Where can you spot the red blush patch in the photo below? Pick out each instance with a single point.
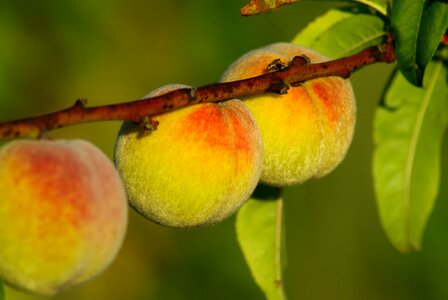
(327, 94)
(206, 125)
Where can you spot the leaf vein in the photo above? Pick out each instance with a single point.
(412, 149)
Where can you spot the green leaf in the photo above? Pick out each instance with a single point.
(378, 5)
(2, 291)
(259, 231)
(434, 24)
(342, 32)
(419, 26)
(408, 134)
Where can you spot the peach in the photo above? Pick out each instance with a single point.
(198, 167)
(63, 214)
(306, 133)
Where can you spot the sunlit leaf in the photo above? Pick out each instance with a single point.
(341, 32)
(419, 26)
(378, 5)
(259, 231)
(406, 164)
(261, 6)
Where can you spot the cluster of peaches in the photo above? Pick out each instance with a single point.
(63, 204)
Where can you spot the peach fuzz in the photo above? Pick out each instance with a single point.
(307, 132)
(63, 214)
(198, 167)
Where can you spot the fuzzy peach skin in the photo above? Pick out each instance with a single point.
(198, 167)
(63, 214)
(307, 132)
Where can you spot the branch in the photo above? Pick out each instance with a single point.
(257, 7)
(141, 111)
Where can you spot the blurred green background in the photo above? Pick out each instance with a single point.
(53, 52)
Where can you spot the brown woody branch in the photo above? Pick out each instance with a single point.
(261, 6)
(141, 111)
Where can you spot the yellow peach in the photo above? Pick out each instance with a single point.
(307, 132)
(63, 214)
(198, 167)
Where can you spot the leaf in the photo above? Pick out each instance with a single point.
(341, 32)
(434, 24)
(2, 291)
(259, 231)
(408, 134)
(261, 6)
(378, 5)
(419, 26)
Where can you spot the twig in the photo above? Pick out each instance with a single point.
(141, 111)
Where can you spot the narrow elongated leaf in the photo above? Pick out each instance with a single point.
(434, 23)
(341, 32)
(419, 25)
(408, 135)
(259, 231)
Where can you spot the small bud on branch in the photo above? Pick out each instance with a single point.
(140, 111)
